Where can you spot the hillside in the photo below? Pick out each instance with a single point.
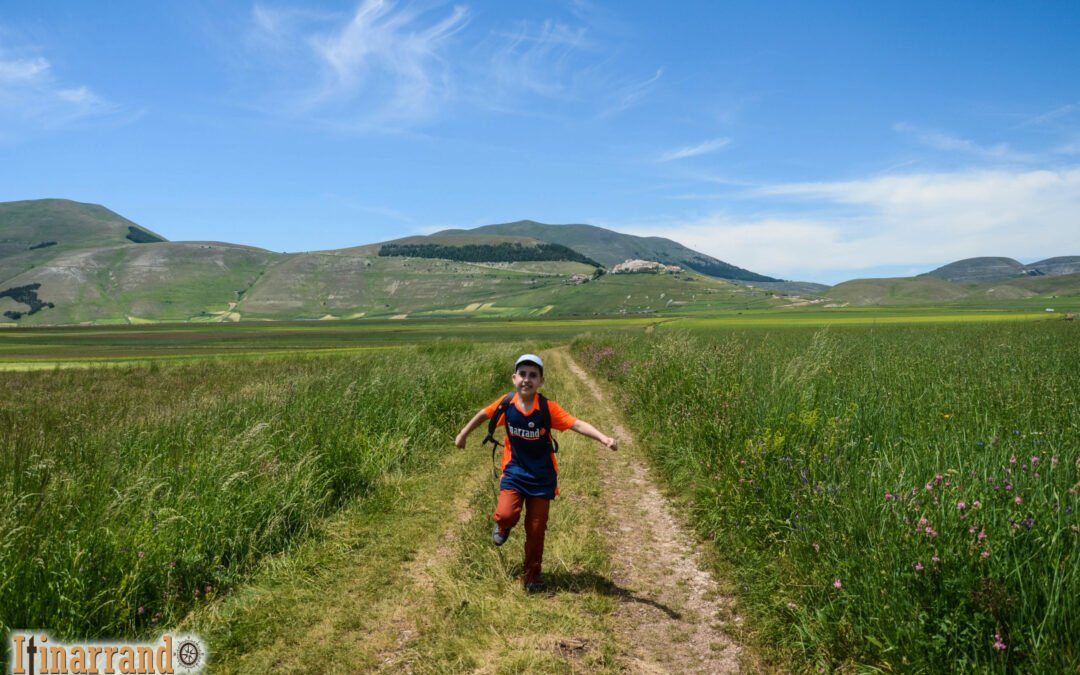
(64, 262)
(987, 269)
(610, 248)
(36, 231)
(925, 289)
(1068, 264)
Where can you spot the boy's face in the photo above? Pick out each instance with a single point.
(527, 379)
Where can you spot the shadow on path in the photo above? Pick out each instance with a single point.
(578, 582)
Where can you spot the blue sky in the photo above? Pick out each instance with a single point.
(811, 141)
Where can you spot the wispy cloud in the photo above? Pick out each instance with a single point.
(1052, 115)
(695, 150)
(571, 62)
(940, 140)
(379, 66)
(33, 97)
(389, 67)
(914, 219)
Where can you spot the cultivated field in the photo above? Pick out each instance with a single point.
(894, 497)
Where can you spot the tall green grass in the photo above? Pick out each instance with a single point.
(130, 496)
(898, 498)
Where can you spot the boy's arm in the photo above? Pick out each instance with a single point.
(586, 429)
(476, 421)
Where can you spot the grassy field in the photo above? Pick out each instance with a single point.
(227, 477)
(891, 497)
(130, 496)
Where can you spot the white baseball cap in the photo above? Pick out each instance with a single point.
(530, 358)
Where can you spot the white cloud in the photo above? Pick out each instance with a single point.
(558, 62)
(378, 66)
(695, 150)
(939, 140)
(23, 70)
(32, 98)
(915, 220)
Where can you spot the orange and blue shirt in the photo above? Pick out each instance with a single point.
(528, 464)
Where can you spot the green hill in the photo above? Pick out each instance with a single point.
(1001, 269)
(67, 263)
(926, 290)
(36, 231)
(611, 248)
(1067, 264)
(980, 269)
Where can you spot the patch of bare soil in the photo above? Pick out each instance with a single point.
(672, 616)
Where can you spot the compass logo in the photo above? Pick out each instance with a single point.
(34, 651)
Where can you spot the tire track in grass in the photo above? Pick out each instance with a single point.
(342, 600)
(673, 617)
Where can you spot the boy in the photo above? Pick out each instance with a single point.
(528, 464)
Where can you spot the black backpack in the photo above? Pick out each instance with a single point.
(545, 423)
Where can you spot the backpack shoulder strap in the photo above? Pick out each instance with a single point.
(493, 423)
(545, 421)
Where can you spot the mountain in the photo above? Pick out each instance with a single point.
(63, 262)
(1000, 269)
(611, 248)
(925, 289)
(1067, 264)
(34, 231)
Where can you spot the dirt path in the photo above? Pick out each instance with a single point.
(408, 580)
(672, 615)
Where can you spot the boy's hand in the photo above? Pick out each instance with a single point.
(611, 443)
(459, 442)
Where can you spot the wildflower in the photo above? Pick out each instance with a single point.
(938, 478)
(971, 530)
(1036, 474)
(998, 644)
(1019, 500)
(1034, 460)
(791, 605)
(141, 610)
(1012, 460)
(208, 589)
(817, 547)
(982, 534)
(923, 521)
(836, 583)
(196, 592)
(141, 554)
(961, 505)
(1053, 460)
(929, 486)
(888, 496)
(986, 554)
(976, 504)
(918, 567)
(172, 563)
(936, 559)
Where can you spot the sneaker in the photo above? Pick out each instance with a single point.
(498, 536)
(534, 584)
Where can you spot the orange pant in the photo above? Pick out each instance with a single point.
(536, 516)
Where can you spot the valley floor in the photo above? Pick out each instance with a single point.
(410, 581)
